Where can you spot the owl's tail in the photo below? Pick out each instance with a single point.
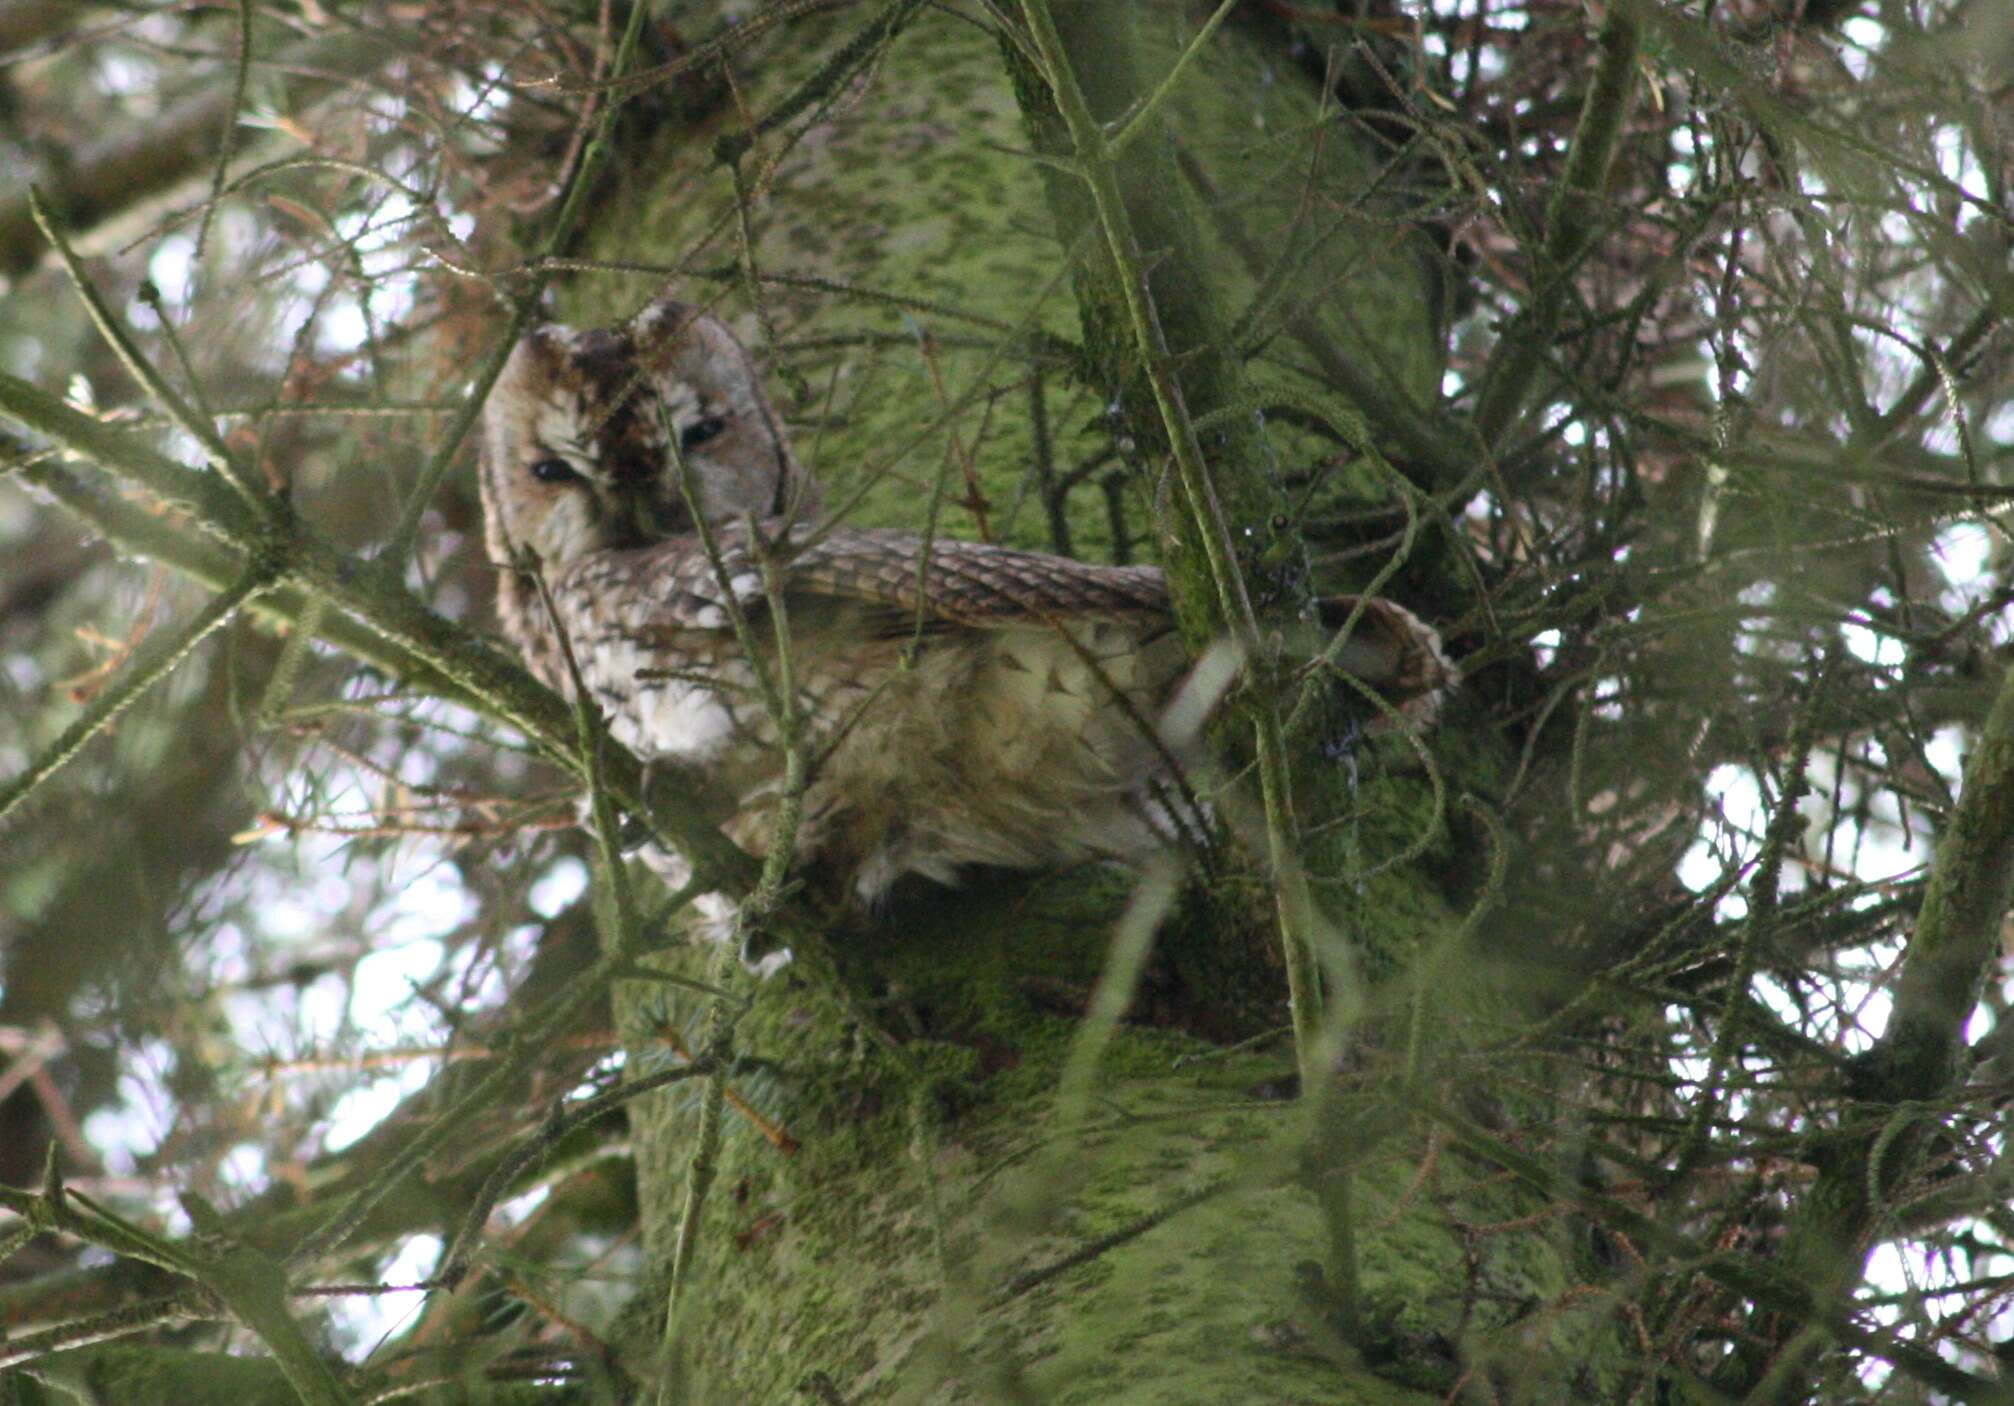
(1390, 649)
(1378, 644)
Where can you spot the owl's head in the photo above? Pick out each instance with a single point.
(578, 436)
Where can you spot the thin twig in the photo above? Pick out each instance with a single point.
(153, 662)
(1148, 109)
(185, 416)
(227, 139)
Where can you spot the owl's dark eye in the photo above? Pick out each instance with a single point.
(553, 471)
(700, 431)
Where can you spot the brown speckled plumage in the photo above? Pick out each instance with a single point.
(965, 703)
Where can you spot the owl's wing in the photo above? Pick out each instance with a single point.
(967, 584)
(973, 585)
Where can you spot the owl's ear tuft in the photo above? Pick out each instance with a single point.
(549, 341)
(537, 358)
(666, 321)
(692, 342)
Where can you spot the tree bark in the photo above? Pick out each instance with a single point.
(952, 1228)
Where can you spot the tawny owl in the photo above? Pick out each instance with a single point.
(963, 704)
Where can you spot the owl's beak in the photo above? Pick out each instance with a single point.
(642, 517)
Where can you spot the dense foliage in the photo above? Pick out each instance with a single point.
(1656, 353)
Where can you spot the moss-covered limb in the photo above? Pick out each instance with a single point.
(1167, 1265)
(1209, 379)
(824, 85)
(1232, 186)
(1187, 279)
(1394, 414)
(1958, 932)
(1204, 387)
(1573, 219)
(1151, 311)
(1921, 1055)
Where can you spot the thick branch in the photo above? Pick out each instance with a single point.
(1890, 1125)
(1957, 937)
(115, 173)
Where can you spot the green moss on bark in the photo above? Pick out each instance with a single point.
(932, 1177)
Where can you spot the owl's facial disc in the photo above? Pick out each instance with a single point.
(585, 431)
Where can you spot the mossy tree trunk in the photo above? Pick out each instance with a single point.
(941, 324)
